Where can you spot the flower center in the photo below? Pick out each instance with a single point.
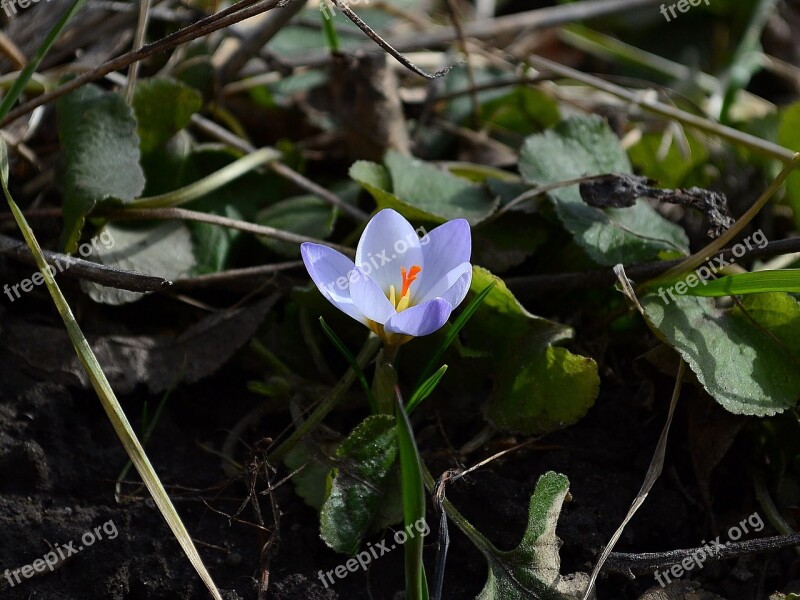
(408, 278)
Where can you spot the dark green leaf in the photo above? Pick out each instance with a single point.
(422, 191)
(163, 107)
(413, 505)
(101, 155)
(359, 483)
(304, 215)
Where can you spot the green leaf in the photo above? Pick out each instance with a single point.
(778, 280)
(101, 155)
(177, 170)
(523, 110)
(586, 145)
(552, 389)
(532, 569)
(366, 458)
(422, 191)
(669, 166)
(163, 107)
(310, 483)
(538, 388)
(789, 137)
(163, 249)
(506, 242)
(746, 358)
(304, 215)
(413, 505)
(426, 389)
(351, 360)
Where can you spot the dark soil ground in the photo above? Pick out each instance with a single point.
(59, 459)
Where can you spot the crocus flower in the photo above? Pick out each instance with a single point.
(400, 286)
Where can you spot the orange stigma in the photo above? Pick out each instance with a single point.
(408, 278)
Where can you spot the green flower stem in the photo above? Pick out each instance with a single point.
(328, 403)
(385, 380)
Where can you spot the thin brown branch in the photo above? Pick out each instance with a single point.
(540, 18)
(238, 12)
(350, 14)
(225, 136)
(70, 266)
(670, 112)
(236, 276)
(629, 564)
(201, 217)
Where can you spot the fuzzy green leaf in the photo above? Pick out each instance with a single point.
(586, 145)
(746, 357)
(538, 388)
(532, 569)
(366, 457)
(101, 155)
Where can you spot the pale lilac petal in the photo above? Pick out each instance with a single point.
(444, 249)
(330, 270)
(370, 299)
(458, 291)
(388, 243)
(442, 287)
(421, 319)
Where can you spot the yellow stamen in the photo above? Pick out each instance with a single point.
(392, 298)
(403, 304)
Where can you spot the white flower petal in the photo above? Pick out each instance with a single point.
(421, 319)
(330, 270)
(441, 288)
(444, 248)
(388, 243)
(458, 291)
(370, 299)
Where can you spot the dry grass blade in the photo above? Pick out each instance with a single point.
(108, 399)
(657, 462)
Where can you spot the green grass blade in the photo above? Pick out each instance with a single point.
(779, 280)
(207, 184)
(108, 399)
(453, 332)
(413, 503)
(425, 389)
(26, 74)
(351, 360)
(329, 27)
